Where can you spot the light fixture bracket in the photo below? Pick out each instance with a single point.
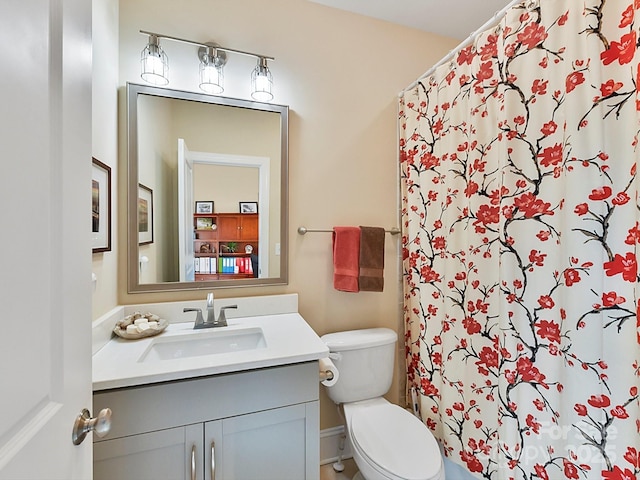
(220, 58)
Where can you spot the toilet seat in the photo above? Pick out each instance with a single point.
(393, 442)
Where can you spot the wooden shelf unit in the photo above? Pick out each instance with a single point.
(240, 229)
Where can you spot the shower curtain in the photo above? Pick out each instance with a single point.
(520, 237)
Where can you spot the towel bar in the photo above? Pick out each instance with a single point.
(304, 230)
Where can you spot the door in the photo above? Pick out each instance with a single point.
(45, 246)
(185, 213)
(268, 445)
(171, 454)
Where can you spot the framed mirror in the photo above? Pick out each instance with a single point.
(207, 191)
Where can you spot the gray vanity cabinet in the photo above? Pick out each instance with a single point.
(258, 425)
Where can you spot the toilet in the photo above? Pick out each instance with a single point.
(388, 442)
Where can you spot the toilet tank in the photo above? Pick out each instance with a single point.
(364, 359)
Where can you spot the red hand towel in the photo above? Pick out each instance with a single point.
(346, 252)
(371, 259)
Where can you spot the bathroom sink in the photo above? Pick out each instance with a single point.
(248, 343)
(208, 342)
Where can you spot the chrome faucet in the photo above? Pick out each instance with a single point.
(222, 319)
(211, 316)
(211, 321)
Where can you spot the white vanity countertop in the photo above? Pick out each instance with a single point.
(289, 339)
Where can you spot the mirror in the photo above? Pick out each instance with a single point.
(227, 156)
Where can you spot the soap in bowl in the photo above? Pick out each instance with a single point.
(137, 325)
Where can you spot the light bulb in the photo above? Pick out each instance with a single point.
(211, 79)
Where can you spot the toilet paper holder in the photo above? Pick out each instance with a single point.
(325, 375)
(327, 372)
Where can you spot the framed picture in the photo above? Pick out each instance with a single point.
(145, 215)
(100, 206)
(204, 207)
(248, 207)
(204, 223)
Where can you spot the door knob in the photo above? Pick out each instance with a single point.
(84, 424)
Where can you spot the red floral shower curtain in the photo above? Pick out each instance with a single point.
(520, 237)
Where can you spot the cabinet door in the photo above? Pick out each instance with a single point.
(172, 454)
(213, 450)
(249, 227)
(269, 445)
(228, 227)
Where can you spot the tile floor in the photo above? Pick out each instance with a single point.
(452, 471)
(328, 473)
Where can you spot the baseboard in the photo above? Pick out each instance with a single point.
(329, 443)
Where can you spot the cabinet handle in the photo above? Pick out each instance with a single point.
(213, 460)
(193, 462)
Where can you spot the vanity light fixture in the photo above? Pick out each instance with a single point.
(154, 64)
(261, 81)
(212, 62)
(213, 58)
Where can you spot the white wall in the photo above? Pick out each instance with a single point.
(340, 74)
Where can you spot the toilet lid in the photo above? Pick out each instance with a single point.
(396, 442)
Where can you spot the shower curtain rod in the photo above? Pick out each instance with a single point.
(470, 39)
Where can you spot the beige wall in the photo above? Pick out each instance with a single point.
(158, 170)
(104, 141)
(226, 185)
(340, 74)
